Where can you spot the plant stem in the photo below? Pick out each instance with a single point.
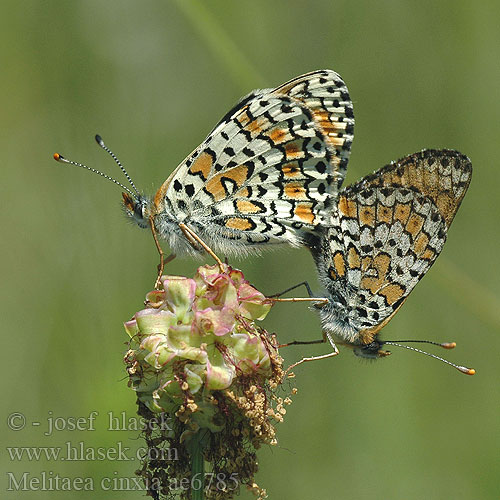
(196, 446)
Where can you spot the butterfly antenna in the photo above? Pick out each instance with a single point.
(61, 159)
(446, 345)
(99, 141)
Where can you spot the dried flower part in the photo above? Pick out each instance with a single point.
(197, 355)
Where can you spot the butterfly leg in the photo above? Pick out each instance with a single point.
(193, 237)
(318, 301)
(303, 283)
(163, 260)
(303, 342)
(325, 338)
(314, 358)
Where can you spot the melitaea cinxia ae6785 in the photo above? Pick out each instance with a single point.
(268, 173)
(386, 232)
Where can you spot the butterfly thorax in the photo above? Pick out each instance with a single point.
(338, 317)
(340, 322)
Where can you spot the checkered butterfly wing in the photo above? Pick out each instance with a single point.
(270, 170)
(441, 175)
(389, 229)
(326, 96)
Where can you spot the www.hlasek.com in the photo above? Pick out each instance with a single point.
(79, 452)
(50, 481)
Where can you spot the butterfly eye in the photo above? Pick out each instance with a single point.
(139, 209)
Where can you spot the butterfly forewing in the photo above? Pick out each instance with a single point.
(442, 175)
(270, 170)
(386, 235)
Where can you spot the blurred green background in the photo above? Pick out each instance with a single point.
(153, 78)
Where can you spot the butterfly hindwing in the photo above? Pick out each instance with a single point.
(326, 95)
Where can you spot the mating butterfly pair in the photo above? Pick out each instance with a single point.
(271, 173)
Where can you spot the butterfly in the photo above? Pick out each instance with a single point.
(387, 230)
(268, 173)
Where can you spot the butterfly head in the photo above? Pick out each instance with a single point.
(137, 207)
(373, 350)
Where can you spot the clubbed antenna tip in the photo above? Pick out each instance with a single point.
(99, 141)
(445, 345)
(60, 158)
(449, 345)
(467, 371)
